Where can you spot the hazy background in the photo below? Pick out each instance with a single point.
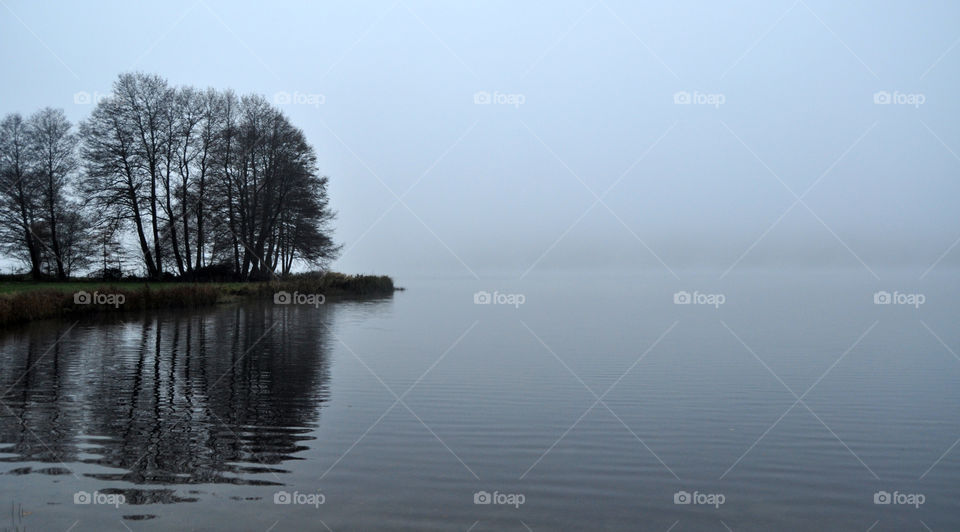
(499, 189)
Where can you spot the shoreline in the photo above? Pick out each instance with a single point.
(26, 301)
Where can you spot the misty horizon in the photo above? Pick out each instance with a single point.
(781, 99)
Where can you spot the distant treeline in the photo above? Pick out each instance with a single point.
(207, 183)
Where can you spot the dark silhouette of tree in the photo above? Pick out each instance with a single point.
(114, 180)
(200, 179)
(53, 159)
(40, 221)
(143, 102)
(18, 195)
(207, 178)
(276, 203)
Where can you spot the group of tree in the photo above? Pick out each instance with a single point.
(200, 183)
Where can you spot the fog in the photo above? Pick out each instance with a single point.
(505, 139)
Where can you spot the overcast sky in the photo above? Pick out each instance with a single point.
(586, 156)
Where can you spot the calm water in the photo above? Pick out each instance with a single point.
(201, 420)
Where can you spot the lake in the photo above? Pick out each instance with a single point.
(763, 401)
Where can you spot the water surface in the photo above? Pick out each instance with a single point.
(595, 401)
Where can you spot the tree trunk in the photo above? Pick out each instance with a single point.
(54, 240)
(155, 222)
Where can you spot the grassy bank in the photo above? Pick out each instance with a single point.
(329, 284)
(21, 302)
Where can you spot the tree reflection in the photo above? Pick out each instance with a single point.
(223, 395)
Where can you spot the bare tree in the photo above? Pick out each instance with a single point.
(18, 193)
(114, 179)
(209, 135)
(276, 204)
(53, 162)
(78, 239)
(207, 178)
(144, 102)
